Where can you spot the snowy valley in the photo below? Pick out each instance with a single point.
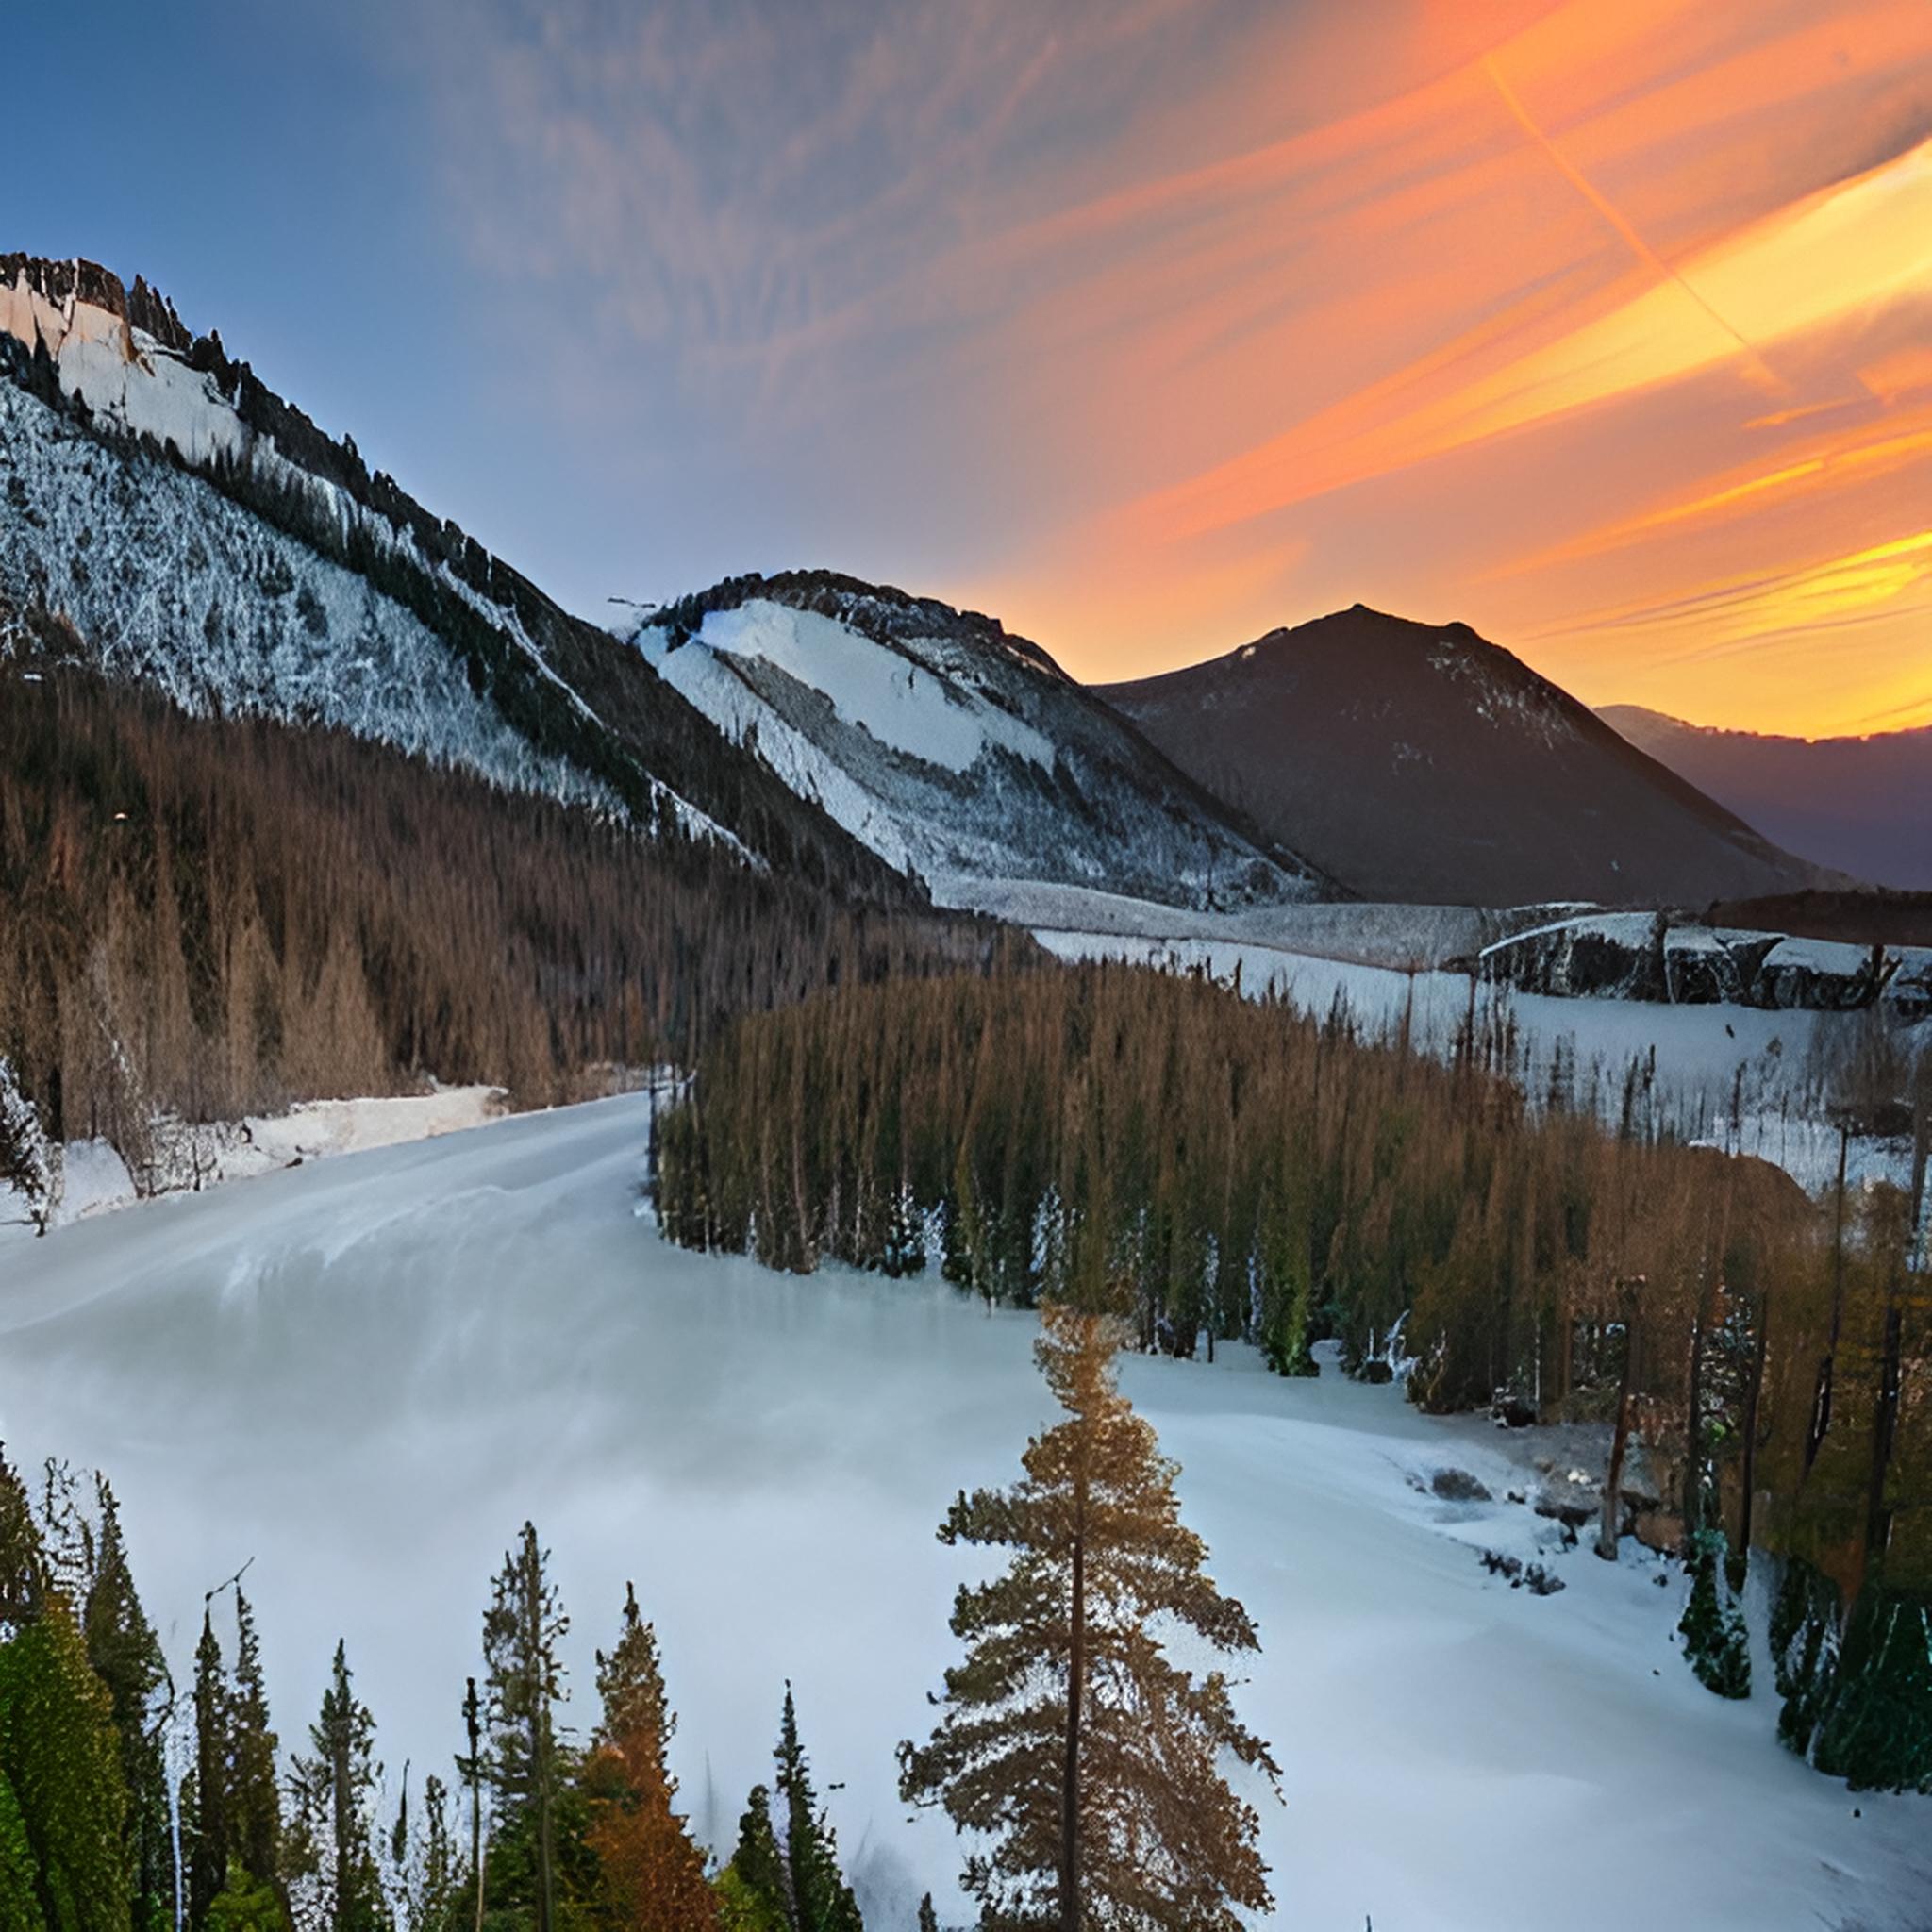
(422, 1345)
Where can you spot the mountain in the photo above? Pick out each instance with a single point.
(954, 749)
(166, 518)
(1863, 804)
(1418, 762)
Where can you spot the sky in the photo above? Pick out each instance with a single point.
(1145, 324)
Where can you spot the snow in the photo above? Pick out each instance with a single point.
(169, 581)
(93, 1179)
(90, 1177)
(365, 1373)
(884, 692)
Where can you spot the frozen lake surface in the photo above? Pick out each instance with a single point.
(365, 1374)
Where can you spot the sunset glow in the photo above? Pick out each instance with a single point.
(1613, 341)
(1147, 326)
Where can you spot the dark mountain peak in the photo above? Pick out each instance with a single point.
(1422, 761)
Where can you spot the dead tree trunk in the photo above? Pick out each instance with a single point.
(1619, 1443)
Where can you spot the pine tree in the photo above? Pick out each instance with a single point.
(820, 1900)
(254, 1812)
(752, 1891)
(61, 1761)
(20, 1904)
(521, 1629)
(334, 1791)
(205, 1799)
(127, 1657)
(1070, 1741)
(653, 1873)
(928, 1918)
(22, 1555)
(433, 1879)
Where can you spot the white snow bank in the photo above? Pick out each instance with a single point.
(93, 1179)
(365, 1374)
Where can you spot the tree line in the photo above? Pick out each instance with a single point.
(214, 916)
(1086, 1767)
(1211, 1167)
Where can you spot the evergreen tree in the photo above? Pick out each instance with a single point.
(20, 1904)
(928, 1918)
(22, 1555)
(820, 1900)
(1717, 1644)
(127, 1657)
(521, 1629)
(61, 1762)
(432, 1881)
(752, 1891)
(653, 1874)
(1070, 1741)
(334, 1791)
(253, 1810)
(205, 1797)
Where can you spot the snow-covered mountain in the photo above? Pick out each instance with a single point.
(1861, 804)
(167, 518)
(1419, 762)
(954, 749)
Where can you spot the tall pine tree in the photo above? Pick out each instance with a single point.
(62, 1799)
(204, 1798)
(820, 1900)
(127, 1657)
(521, 1629)
(1087, 1762)
(653, 1874)
(334, 1789)
(253, 1810)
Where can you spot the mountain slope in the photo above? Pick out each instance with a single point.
(1418, 762)
(165, 517)
(953, 749)
(1863, 804)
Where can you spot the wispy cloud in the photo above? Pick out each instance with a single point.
(1161, 322)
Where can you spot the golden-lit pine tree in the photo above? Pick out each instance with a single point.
(653, 1873)
(1085, 1762)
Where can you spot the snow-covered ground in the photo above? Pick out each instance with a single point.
(90, 1177)
(1700, 1050)
(364, 1373)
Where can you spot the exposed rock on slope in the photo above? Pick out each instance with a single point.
(1644, 956)
(1418, 762)
(953, 749)
(1861, 804)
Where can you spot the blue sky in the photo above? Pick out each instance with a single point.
(1145, 324)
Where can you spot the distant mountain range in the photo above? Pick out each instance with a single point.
(1418, 762)
(166, 518)
(1861, 805)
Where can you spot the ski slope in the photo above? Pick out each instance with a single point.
(362, 1375)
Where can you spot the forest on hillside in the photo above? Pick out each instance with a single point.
(1208, 1166)
(209, 917)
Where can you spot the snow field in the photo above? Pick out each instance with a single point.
(365, 1373)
